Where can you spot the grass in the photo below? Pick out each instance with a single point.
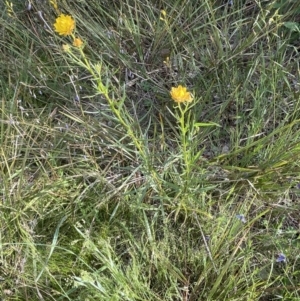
(111, 191)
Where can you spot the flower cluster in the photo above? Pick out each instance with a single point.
(64, 26)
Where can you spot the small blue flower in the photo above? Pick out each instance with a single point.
(281, 258)
(207, 237)
(241, 217)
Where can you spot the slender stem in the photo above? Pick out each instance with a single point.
(184, 126)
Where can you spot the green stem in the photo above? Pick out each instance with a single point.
(184, 128)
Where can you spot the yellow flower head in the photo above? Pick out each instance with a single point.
(64, 25)
(180, 94)
(77, 42)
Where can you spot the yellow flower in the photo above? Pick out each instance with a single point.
(77, 42)
(180, 94)
(64, 25)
